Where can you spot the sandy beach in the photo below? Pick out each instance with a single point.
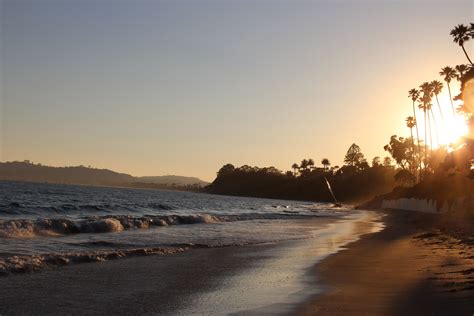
(416, 266)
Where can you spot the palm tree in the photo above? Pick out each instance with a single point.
(411, 122)
(325, 162)
(304, 164)
(461, 34)
(425, 105)
(461, 70)
(310, 163)
(414, 94)
(295, 168)
(437, 87)
(449, 74)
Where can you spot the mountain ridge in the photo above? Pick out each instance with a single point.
(27, 171)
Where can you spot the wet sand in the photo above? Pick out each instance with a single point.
(413, 267)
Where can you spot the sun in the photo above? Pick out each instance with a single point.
(453, 128)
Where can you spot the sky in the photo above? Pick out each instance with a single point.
(184, 87)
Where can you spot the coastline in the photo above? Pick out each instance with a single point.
(412, 267)
(254, 279)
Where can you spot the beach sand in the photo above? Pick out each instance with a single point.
(416, 266)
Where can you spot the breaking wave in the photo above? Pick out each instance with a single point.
(32, 263)
(21, 228)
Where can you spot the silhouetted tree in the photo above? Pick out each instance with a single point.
(225, 170)
(376, 161)
(355, 158)
(295, 168)
(325, 162)
(387, 161)
(437, 87)
(411, 122)
(448, 74)
(461, 34)
(461, 70)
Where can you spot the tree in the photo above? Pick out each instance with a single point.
(325, 162)
(449, 74)
(460, 71)
(411, 122)
(225, 170)
(401, 150)
(295, 168)
(414, 94)
(303, 165)
(425, 105)
(387, 162)
(437, 87)
(355, 158)
(376, 161)
(310, 163)
(462, 34)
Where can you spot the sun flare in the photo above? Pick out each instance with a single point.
(453, 128)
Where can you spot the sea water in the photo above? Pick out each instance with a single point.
(49, 225)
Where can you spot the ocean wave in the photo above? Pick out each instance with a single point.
(32, 263)
(49, 227)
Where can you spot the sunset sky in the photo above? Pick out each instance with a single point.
(183, 87)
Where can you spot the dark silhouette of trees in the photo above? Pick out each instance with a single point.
(351, 182)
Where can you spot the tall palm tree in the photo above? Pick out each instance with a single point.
(425, 105)
(325, 162)
(437, 87)
(461, 34)
(411, 122)
(449, 74)
(414, 94)
(310, 163)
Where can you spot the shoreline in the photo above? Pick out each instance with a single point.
(253, 279)
(411, 267)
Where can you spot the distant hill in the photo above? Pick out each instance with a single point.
(177, 180)
(27, 171)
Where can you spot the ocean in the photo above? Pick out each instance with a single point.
(51, 225)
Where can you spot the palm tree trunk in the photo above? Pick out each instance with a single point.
(417, 137)
(426, 142)
(413, 162)
(435, 128)
(465, 53)
(451, 98)
(430, 131)
(439, 107)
